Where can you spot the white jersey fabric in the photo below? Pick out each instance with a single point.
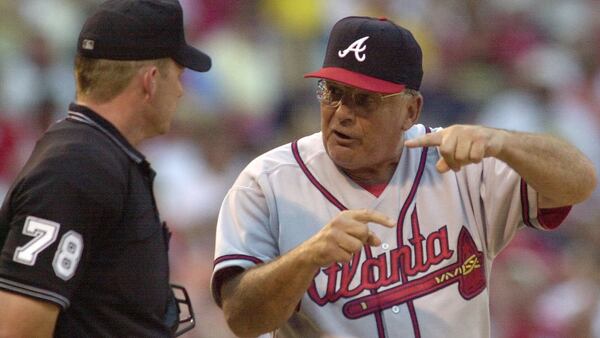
(429, 277)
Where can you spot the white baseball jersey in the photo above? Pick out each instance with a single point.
(429, 277)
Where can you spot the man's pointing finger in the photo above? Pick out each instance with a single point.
(366, 216)
(427, 140)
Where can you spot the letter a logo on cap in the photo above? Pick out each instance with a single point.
(357, 47)
(87, 44)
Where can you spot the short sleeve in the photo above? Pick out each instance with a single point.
(58, 210)
(244, 237)
(508, 203)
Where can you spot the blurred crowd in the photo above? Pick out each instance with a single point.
(530, 65)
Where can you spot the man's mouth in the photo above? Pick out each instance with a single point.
(342, 136)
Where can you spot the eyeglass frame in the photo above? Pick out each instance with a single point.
(322, 88)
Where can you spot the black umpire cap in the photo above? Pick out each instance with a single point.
(139, 30)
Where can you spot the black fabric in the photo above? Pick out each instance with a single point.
(83, 180)
(392, 53)
(139, 30)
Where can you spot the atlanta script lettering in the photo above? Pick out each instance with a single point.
(375, 272)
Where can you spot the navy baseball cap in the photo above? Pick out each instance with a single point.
(139, 30)
(372, 54)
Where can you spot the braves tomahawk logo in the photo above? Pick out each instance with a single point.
(350, 279)
(358, 47)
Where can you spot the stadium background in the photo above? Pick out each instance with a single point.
(530, 65)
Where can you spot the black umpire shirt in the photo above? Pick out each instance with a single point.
(81, 229)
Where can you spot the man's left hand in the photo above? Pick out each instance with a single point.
(460, 145)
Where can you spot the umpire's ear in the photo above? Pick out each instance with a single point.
(414, 105)
(149, 75)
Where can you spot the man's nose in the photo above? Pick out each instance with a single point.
(345, 112)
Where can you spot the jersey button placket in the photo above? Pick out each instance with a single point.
(396, 309)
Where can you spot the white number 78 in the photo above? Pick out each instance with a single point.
(45, 232)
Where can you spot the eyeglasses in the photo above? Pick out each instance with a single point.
(331, 94)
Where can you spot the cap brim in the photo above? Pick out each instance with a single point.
(357, 80)
(193, 59)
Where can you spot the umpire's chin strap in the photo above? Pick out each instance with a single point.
(179, 304)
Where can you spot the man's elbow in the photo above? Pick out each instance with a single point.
(589, 183)
(251, 322)
(8, 330)
(245, 325)
(5, 330)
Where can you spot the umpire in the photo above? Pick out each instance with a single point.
(84, 251)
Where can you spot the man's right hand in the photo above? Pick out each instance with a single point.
(345, 235)
(262, 298)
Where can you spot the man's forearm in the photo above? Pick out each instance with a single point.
(261, 299)
(22, 316)
(559, 172)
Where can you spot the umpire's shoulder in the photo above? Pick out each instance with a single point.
(86, 140)
(83, 150)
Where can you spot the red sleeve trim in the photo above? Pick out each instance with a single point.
(551, 218)
(548, 218)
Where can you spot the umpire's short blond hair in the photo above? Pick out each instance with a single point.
(102, 80)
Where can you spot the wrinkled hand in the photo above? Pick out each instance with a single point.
(345, 235)
(460, 145)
